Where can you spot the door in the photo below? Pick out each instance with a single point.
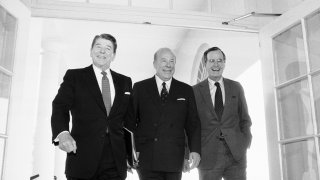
(291, 76)
(7, 46)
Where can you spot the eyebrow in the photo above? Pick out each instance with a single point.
(98, 44)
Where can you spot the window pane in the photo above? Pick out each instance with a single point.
(313, 36)
(2, 141)
(316, 94)
(7, 39)
(191, 5)
(162, 4)
(5, 84)
(295, 110)
(300, 161)
(290, 60)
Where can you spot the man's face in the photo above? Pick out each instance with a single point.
(165, 65)
(102, 53)
(215, 65)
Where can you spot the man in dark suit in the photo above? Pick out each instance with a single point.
(225, 122)
(163, 111)
(97, 99)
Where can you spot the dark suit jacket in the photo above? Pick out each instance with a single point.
(160, 129)
(235, 122)
(79, 94)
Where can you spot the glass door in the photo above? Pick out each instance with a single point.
(291, 58)
(7, 39)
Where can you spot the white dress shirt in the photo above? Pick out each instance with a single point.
(97, 72)
(159, 84)
(213, 89)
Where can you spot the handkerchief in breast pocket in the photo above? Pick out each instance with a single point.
(181, 99)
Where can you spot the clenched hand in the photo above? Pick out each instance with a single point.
(194, 160)
(67, 143)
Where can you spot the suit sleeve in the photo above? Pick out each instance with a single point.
(245, 120)
(61, 105)
(131, 117)
(193, 127)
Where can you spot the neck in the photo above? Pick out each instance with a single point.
(102, 67)
(163, 78)
(216, 79)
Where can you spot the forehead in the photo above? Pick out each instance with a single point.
(215, 55)
(165, 54)
(103, 42)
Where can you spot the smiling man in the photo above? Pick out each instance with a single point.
(225, 122)
(163, 110)
(97, 99)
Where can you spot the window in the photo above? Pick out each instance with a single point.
(296, 65)
(7, 43)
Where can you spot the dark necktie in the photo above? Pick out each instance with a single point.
(218, 103)
(164, 93)
(106, 92)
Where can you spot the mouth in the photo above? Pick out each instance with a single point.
(101, 57)
(167, 70)
(216, 69)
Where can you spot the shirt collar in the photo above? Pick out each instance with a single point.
(98, 71)
(211, 82)
(160, 81)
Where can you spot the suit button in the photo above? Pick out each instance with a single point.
(155, 139)
(155, 124)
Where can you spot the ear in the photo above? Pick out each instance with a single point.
(90, 53)
(113, 56)
(154, 64)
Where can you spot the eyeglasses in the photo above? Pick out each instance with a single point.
(218, 61)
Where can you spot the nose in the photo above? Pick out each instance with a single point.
(103, 50)
(169, 64)
(216, 63)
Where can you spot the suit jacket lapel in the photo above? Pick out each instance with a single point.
(228, 95)
(154, 93)
(173, 91)
(205, 92)
(93, 86)
(117, 87)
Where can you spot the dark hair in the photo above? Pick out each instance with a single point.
(213, 49)
(106, 37)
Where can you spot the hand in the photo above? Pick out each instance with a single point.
(136, 164)
(129, 168)
(67, 143)
(186, 167)
(194, 160)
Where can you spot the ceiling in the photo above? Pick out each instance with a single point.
(207, 14)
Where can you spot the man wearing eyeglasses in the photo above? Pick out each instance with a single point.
(225, 122)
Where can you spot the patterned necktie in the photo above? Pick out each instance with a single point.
(218, 103)
(106, 92)
(164, 93)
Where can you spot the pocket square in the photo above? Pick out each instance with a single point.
(128, 93)
(181, 99)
